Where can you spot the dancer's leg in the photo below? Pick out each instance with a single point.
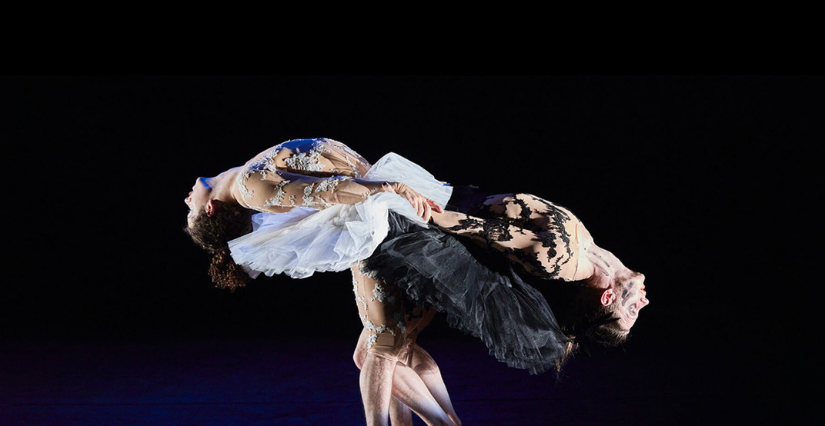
(376, 388)
(422, 364)
(400, 414)
(408, 389)
(426, 368)
(382, 340)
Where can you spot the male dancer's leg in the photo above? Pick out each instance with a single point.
(411, 391)
(385, 339)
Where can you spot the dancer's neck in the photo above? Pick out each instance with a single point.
(223, 185)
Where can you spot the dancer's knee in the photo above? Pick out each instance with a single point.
(360, 349)
(358, 357)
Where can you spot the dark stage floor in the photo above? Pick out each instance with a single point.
(293, 382)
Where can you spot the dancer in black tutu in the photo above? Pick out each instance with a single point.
(483, 292)
(333, 211)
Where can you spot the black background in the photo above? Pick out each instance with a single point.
(704, 184)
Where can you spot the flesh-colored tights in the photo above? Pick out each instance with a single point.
(398, 377)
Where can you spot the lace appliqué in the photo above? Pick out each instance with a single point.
(313, 201)
(277, 200)
(240, 181)
(376, 330)
(358, 297)
(307, 161)
(263, 165)
(305, 157)
(317, 201)
(381, 295)
(269, 159)
(555, 220)
(362, 267)
(547, 223)
(491, 230)
(329, 184)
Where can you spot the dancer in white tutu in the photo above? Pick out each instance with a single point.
(331, 212)
(322, 207)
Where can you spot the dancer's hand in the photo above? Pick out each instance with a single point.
(424, 207)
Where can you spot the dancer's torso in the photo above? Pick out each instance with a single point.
(285, 175)
(312, 157)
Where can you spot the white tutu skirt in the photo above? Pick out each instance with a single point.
(303, 240)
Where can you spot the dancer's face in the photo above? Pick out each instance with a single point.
(198, 199)
(632, 297)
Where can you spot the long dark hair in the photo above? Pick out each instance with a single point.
(581, 316)
(228, 222)
(590, 321)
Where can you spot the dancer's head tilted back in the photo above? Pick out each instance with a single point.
(625, 297)
(211, 223)
(609, 302)
(610, 297)
(606, 308)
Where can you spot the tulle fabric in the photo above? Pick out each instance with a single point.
(480, 293)
(303, 241)
(395, 168)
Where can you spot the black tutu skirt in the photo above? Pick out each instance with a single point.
(479, 292)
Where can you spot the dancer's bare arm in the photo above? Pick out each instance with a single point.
(279, 191)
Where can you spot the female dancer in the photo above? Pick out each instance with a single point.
(316, 187)
(394, 286)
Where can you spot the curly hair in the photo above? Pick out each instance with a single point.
(230, 221)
